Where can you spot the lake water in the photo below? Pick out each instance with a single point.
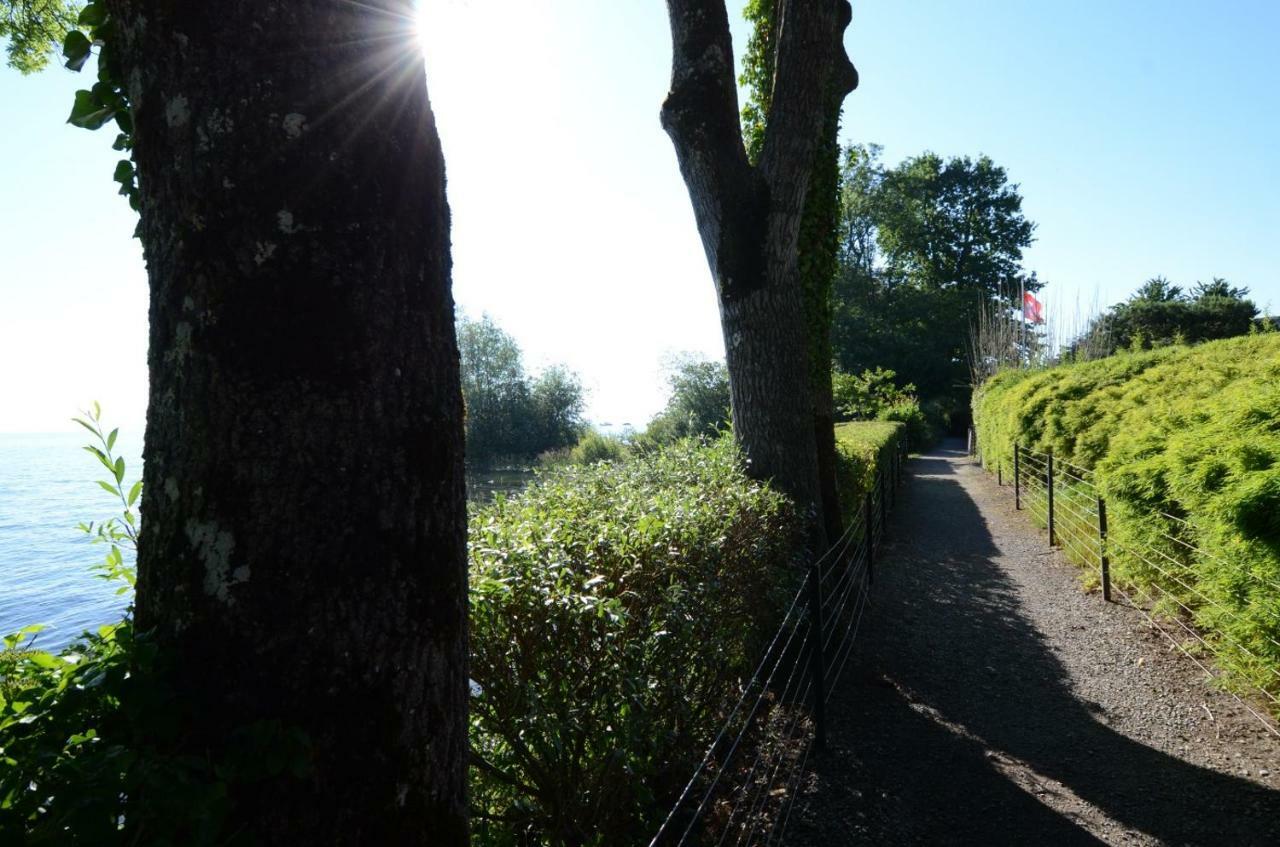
(47, 487)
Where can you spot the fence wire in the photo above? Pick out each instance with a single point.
(1063, 495)
(744, 788)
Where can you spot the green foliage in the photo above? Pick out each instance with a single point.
(757, 74)
(924, 247)
(698, 405)
(863, 396)
(511, 416)
(1160, 313)
(876, 395)
(862, 447)
(106, 100)
(595, 446)
(1185, 446)
(614, 609)
(34, 30)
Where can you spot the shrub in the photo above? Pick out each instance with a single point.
(595, 446)
(614, 609)
(861, 448)
(1185, 446)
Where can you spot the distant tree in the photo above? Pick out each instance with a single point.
(495, 390)
(1157, 290)
(926, 248)
(699, 401)
(1160, 313)
(749, 214)
(510, 415)
(556, 410)
(35, 30)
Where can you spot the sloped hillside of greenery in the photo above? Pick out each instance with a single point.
(1184, 443)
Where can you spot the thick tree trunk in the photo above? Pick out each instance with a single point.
(749, 219)
(303, 552)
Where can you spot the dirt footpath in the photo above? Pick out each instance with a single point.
(991, 701)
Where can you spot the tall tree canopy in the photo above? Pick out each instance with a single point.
(303, 559)
(749, 210)
(34, 30)
(924, 247)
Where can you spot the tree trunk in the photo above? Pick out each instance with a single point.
(303, 552)
(749, 218)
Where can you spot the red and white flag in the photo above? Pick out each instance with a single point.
(1032, 309)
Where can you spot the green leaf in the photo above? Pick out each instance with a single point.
(76, 47)
(119, 469)
(93, 15)
(111, 439)
(122, 140)
(97, 411)
(109, 488)
(88, 112)
(134, 492)
(85, 424)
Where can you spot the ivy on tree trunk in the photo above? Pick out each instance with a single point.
(750, 216)
(302, 561)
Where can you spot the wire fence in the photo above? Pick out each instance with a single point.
(743, 790)
(1064, 499)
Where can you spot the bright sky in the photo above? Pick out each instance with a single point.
(1144, 135)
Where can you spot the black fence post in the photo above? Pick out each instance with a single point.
(817, 662)
(1049, 483)
(869, 537)
(1102, 550)
(999, 473)
(1017, 477)
(884, 494)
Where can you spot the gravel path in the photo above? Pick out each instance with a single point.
(991, 700)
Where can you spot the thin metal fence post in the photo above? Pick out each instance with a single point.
(1049, 483)
(817, 662)
(884, 495)
(1102, 550)
(1017, 478)
(969, 446)
(999, 473)
(869, 538)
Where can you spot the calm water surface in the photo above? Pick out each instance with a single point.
(47, 486)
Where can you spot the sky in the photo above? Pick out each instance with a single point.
(1144, 136)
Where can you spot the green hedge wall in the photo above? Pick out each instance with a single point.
(1184, 443)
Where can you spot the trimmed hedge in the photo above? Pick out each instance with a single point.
(1185, 446)
(615, 608)
(861, 447)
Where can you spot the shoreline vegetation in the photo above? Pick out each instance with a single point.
(652, 577)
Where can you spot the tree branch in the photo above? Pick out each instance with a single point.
(811, 66)
(700, 115)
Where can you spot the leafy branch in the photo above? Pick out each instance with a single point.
(114, 532)
(106, 100)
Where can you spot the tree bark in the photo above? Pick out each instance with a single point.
(749, 218)
(302, 557)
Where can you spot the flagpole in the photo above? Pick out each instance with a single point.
(1022, 316)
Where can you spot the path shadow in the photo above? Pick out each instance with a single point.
(955, 720)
